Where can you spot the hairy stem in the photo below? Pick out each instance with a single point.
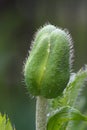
(41, 111)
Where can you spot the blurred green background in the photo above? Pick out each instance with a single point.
(19, 19)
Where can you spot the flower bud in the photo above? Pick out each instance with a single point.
(47, 69)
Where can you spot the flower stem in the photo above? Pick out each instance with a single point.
(41, 111)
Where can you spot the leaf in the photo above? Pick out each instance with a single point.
(77, 125)
(5, 123)
(74, 88)
(72, 91)
(65, 114)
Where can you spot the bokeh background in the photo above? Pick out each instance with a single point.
(19, 19)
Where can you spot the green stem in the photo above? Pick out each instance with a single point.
(41, 111)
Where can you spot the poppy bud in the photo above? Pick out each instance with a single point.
(47, 69)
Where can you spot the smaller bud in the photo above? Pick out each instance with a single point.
(47, 69)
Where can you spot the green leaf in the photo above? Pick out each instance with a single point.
(72, 91)
(74, 88)
(77, 125)
(5, 123)
(65, 114)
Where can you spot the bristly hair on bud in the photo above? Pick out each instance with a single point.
(48, 66)
(71, 49)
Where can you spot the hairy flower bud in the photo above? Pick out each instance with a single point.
(47, 69)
